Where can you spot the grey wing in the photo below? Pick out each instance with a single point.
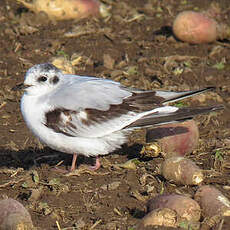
(93, 107)
(96, 93)
(89, 107)
(88, 92)
(177, 96)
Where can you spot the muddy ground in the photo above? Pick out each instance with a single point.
(133, 45)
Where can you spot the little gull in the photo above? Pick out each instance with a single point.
(93, 116)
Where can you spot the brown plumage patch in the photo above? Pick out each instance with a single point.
(144, 101)
(138, 102)
(55, 121)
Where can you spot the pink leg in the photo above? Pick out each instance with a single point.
(74, 160)
(97, 165)
(73, 166)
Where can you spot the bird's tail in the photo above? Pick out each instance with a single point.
(181, 114)
(177, 96)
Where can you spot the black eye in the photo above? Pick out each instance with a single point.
(42, 78)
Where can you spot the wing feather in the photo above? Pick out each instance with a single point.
(88, 92)
(95, 107)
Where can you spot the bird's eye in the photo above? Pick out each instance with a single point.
(42, 78)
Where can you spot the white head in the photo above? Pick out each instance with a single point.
(41, 79)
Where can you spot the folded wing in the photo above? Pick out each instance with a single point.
(94, 107)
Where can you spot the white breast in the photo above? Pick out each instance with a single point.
(33, 113)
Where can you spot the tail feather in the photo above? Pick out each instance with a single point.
(181, 114)
(176, 96)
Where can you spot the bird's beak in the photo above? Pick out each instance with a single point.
(20, 86)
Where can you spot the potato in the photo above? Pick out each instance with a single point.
(184, 206)
(14, 216)
(195, 28)
(64, 9)
(182, 171)
(212, 201)
(201, 27)
(159, 217)
(166, 217)
(175, 139)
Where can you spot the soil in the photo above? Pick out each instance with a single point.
(134, 45)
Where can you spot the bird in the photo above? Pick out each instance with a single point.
(92, 116)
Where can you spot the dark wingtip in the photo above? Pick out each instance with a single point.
(217, 107)
(210, 88)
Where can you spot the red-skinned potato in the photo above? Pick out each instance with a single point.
(64, 9)
(194, 27)
(184, 206)
(212, 201)
(182, 171)
(200, 27)
(173, 139)
(14, 216)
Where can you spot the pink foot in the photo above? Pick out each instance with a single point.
(96, 166)
(73, 166)
(74, 160)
